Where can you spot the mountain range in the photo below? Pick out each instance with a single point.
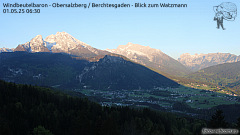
(60, 42)
(151, 57)
(63, 42)
(64, 71)
(114, 65)
(6, 50)
(199, 61)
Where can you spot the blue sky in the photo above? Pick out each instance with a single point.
(172, 30)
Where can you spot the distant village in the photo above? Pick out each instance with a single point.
(159, 99)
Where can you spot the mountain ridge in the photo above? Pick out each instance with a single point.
(60, 42)
(151, 57)
(6, 49)
(65, 71)
(200, 61)
(224, 75)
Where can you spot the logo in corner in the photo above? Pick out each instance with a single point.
(225, 11)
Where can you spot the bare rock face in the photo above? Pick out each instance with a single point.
(60, 42)
(5, 50)
(200, 61)
(37, 44)
(64, 42)
(150, 57)
(21, 48)
(132, 50)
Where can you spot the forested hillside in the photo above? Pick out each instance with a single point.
(26, 110)
(67, 72)
(224, 75)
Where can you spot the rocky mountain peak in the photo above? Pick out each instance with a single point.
(5, 50)
(60, 42)
(50, 38)
(64, 42)
(200, 61)
(38, 37)
(62, 33)
(112, 59)
(129, 44)
(151, 57)
(37, 41)
(36, 44)
(135, 48)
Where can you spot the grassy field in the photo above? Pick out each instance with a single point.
(195, 98)
(203, 98)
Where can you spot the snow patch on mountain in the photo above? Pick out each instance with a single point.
(49, 45)
(60, 42)
(132, 51)
(5, 50)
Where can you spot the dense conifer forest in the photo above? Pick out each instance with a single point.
(26, 109)
(32, 110)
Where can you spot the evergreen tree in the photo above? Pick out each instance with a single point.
(34, 110)
(40, 130)
(238, 123)
(217, 120)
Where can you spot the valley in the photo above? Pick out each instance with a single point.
(213, 88)
(221, 78)
(96, 67)
(161, 99)
(132, 75)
